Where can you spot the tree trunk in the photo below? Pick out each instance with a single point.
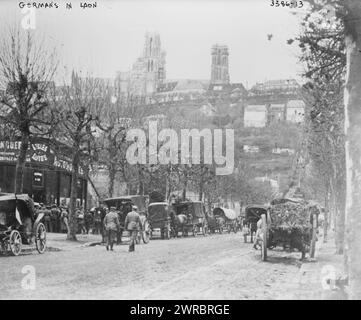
(327, 210)
(184, 193)
(339, 223)
(73, 196)
(353, 146)
(340, 218)
(111, 180)
(200, 197)
(168, 186)
(20, 164)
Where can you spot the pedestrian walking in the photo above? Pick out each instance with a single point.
(111, 226)
(47, 218)
(80, 220)
(88, 220)
(97, 222)
(64, 220)
(55, 218)
(132, 224)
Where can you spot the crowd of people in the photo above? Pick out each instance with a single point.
(56, 219)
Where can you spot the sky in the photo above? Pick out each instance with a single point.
(109, 38)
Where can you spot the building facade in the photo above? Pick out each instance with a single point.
(148, 71)
(47, 176)
(220, 65)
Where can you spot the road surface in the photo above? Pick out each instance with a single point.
(211, 267)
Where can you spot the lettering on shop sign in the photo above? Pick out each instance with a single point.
(37, 152)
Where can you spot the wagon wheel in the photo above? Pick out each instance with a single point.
(167, 232)
(264, 238)
(40, 238)
(15, 242)
(195, 231)
(235, 228)
(314, 237)
(146, 231)
(244, 235)
(204, 229)
(229, 228)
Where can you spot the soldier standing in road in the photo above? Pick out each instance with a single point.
(111, 225)
(47, 218)
(132, 224)
(55, 218)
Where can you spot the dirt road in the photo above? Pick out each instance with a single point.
(212, 267)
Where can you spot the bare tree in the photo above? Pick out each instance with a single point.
(27, 69)
(79, 105)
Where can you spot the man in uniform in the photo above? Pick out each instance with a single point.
(47, 217)
(111, 225)
(55, 218)
(132, 224)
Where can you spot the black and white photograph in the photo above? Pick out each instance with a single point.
(179, 151)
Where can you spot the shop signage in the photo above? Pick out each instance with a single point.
(36, 153)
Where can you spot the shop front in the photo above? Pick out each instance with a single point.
(47, 176)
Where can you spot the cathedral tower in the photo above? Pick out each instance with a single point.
(154, 59)
(220, 74)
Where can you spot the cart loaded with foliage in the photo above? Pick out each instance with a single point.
(289, 223)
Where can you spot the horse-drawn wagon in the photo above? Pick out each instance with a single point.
(226, 219)
(289, 222)
(18, 224)
(252, 215)
(124, 205)
(159, 217)
(189, 216)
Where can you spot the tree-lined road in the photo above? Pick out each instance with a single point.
(212, 267)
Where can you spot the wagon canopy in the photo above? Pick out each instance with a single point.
(254, 211)
(158, 211)
(8, 205)
(137, 200)
(228, 213)
(285, 200)
(195, 208)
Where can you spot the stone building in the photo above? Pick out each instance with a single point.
(148, 71)
(220, 66)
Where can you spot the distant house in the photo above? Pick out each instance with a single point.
(295, 111)
(276, 112)
(181, 90)
(287, 151)
(255, 116)
(207, 110)
(272, 182)
(286, 86)
(250, 149)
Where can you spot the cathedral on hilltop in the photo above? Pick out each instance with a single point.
(148, 71)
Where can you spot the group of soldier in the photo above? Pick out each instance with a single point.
(113, 228)
(55, 217)
(105, 222)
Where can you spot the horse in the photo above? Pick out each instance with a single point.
(179, 223)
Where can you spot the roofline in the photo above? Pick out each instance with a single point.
(153, 203)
